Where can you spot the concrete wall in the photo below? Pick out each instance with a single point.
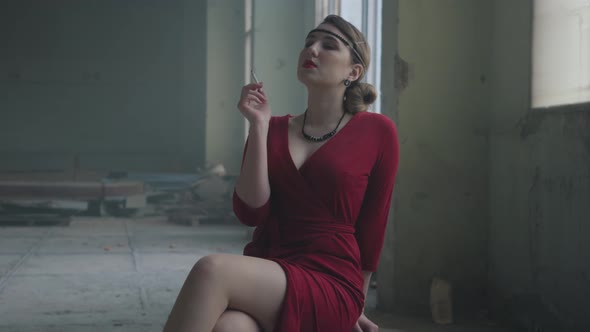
(118, 84)
(440, 214)
(539, 191)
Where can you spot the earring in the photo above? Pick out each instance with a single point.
(346, 82)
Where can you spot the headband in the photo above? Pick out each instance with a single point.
(346, 42)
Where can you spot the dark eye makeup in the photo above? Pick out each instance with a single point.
(328, 43)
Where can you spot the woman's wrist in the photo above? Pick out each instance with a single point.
(258, 126)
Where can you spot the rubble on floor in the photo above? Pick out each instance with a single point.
(185, 198)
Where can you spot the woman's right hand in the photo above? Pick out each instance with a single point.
(253, 104)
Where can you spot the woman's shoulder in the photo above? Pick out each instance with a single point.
(377, 122)
(279, 118)
(278, 123)
(382, 132)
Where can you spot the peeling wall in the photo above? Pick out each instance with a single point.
(112, 85)
(440, 215)
(539, 245)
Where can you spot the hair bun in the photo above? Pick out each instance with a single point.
(368, 92)
(359, 97)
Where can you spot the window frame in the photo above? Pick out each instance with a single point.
(372, 11)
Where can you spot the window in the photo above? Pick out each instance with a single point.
(366, 16)
(561, 52)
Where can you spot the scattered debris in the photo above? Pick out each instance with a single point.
(53, 202)
(189, 199)
(183, 216)
(45, 205)
(186, 199)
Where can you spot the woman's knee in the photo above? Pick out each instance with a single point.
(208, 267)
(236, 321)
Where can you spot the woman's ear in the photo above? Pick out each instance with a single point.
(356, 72)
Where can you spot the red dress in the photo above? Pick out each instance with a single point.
(325, 222)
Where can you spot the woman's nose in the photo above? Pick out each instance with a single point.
(313, 49)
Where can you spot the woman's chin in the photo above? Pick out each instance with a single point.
(307, 79)
(304, 80)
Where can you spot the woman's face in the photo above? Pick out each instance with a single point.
(324, 60)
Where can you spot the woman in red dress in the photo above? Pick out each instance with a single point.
(318, 189)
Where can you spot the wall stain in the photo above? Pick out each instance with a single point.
(570, 120)
(402, 73)
(586, 142)
(534, 218)
(529, 124)
(418, 200)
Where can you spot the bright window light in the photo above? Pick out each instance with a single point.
(561, 53)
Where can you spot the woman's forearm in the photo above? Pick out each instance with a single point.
(366, 282)
(252, 185)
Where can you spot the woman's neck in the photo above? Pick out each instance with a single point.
(324, 107)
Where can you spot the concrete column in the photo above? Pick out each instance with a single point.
(440, 215)
(225, 78)
(389, 107)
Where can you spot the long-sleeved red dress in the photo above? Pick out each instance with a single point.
(325, 222)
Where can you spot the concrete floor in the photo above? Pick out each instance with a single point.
(107, 274)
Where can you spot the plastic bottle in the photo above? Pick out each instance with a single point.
(441, 304)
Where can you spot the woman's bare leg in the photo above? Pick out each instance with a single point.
(236, 321)
(218, 282)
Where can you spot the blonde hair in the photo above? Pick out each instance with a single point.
(359, 95)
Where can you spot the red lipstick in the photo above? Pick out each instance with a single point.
(309, 64)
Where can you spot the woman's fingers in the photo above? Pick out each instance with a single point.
(251, 87)
(253, 103)
(253, 95)
(255, 99)
(357, 328)
(258, 94)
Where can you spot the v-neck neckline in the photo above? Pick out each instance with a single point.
(313, 154)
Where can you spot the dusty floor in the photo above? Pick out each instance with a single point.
(106, 274)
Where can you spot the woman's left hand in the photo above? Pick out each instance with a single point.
(365, 325)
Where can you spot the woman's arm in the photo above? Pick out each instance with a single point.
(374, 213)
(364, 324)
(373, 216)
(252, 192)
(366, 282)
(252, 185)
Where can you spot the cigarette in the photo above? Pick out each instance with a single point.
(254, 78)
